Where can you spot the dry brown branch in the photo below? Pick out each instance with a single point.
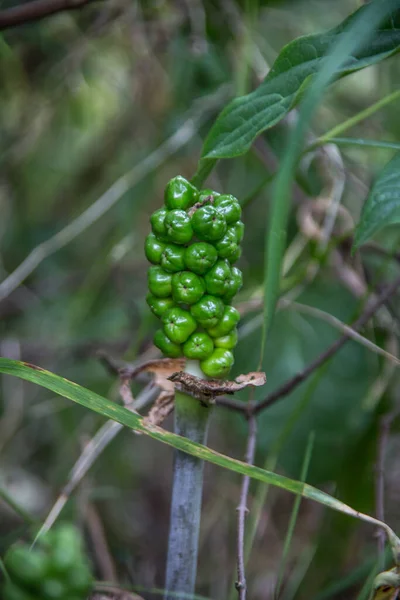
(384, 431)
(243, 510)
(291, 384)
(36, 10)
(101, 550)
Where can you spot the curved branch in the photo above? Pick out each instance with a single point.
(292, 383)
(36, 10)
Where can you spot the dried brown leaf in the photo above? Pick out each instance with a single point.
(207, 389)
(161, 408)
(161, 369)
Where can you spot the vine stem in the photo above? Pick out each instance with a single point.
(191, 421)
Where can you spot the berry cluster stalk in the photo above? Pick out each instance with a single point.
(191, 421)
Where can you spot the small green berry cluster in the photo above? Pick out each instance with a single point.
(194, 243)
(54, 569)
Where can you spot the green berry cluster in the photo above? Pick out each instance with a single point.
(194, 243)
(54, 569)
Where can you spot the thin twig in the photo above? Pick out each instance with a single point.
(252, 305)
(384, 431)
(117, 592)
(89, 455)
(292, 383)
(36, 10)
(243, 510)
(104, 560)
(235, 405)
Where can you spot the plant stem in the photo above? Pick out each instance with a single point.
(191, 421)
(342, 141)
(363, 114)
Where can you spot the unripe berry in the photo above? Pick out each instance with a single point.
(218, 364)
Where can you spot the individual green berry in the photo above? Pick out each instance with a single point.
(160, 282)
(200, 257)
(208, 224)
(208, 311)
(234, 257)
(53, 589)
(239, 230)
(65, 548)
(226, 324)
(159, 306)
(218, 364)
(153, 249)
(235, 284)
(157, 221)
(198, 346)
(167, 347)
(179, 324)
(227, 341)
(187, 287)
(228, 206)
(179, 193)
(172, 258)
(178, 227)
(206, 193)
(227, 247)
(218, 278)
(25, 565)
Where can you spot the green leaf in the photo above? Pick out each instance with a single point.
(98, 404)
(358, 32)
(382, 207)
(248, 116)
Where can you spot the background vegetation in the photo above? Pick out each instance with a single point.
(99, 108)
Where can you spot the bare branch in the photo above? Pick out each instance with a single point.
(384, 431)
(243, 510)
(292, 383)
(36, 10)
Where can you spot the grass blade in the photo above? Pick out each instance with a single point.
(110, 410)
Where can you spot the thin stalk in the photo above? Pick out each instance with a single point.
(342, 141)
(294, 515)
(363, 114)
(191, 421)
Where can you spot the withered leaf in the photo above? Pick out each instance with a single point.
(161, 369)
(207, 389)
(161, 408)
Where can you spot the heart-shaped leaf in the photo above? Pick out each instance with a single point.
(246, 117)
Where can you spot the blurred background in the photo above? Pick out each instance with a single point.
(99, 108)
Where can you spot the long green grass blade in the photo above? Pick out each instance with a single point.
(294, 515)
(110, 410)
